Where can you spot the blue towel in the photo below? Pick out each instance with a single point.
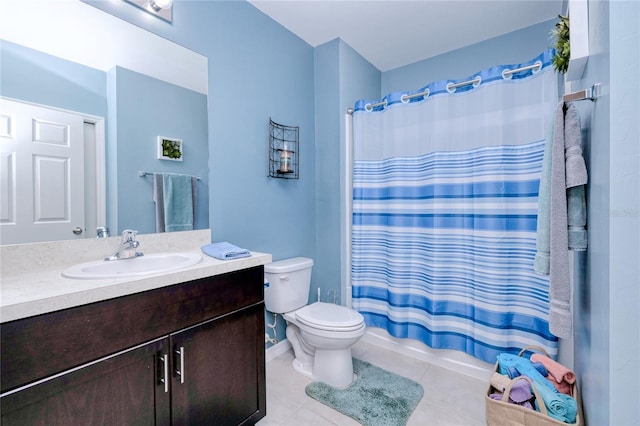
(541, 368)
(178, 202)
(225, 251)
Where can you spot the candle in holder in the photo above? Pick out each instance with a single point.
(285, 161)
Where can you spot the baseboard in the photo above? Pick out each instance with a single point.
(445, 358)
(276, 350)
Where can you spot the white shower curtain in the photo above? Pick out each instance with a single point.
(444, 211)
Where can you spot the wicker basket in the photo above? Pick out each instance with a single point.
(504, 413)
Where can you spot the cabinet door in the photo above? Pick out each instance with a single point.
(219, 376)
(120, 390)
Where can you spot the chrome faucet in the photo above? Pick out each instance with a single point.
(128, 246)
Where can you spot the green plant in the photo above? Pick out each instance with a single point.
(171, 149)
(563, 45)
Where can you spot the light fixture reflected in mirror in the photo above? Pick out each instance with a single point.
(161, 8)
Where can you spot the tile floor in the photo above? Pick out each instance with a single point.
(450, 398)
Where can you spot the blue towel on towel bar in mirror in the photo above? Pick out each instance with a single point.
(225, 251)
(178, 202)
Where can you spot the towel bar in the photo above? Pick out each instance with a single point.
(143, 174)
(590, 93)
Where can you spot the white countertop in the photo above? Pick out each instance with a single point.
(40, 288)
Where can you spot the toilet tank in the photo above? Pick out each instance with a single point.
(289, 283)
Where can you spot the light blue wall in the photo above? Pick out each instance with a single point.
(607, 332)
(327, 228)
(513, 48)
(37, 77)
(341, 76)
(624, 304)
(146, 108)
(593, 314)
(625, 211)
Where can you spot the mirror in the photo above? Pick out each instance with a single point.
(132, 90)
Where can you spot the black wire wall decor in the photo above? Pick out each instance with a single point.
(283, 150)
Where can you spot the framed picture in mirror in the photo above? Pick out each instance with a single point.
(169, 148)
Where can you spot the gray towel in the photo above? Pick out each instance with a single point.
(575, 169)
(158, 199)
(576, 178)
(543, 243)
(577, 218)
(567, 168)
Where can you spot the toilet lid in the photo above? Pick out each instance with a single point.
(328, 316)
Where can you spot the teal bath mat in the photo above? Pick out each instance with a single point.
(376, 398)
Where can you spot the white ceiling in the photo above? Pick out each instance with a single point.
(393, 33)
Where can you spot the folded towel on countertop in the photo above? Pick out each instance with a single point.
(225, 251)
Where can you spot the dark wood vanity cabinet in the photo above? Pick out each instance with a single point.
(187, 354)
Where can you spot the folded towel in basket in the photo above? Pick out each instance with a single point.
(225, 251)
(561, 377)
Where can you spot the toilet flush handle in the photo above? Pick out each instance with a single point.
(284, 277)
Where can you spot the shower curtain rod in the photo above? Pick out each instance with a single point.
(143, 174)
(507, 73)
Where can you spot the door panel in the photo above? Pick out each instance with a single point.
(221, 370)
(41, 172)
(122, 390)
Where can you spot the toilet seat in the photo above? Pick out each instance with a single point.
(330, 317)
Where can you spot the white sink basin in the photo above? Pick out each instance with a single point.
(135, 267)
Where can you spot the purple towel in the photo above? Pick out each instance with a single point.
(520, 394)
(498, 397)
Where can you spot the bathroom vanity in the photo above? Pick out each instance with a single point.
(185, 348)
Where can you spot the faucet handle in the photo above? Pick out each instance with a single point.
(129, 235)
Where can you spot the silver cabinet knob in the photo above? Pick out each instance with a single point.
(77, 230)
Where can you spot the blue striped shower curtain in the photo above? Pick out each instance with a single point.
(445, 191)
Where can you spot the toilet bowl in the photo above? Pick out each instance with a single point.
(321, 334)
(324, 332)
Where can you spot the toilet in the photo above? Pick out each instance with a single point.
(321, 333)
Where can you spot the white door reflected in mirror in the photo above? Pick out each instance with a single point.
(42, 177)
